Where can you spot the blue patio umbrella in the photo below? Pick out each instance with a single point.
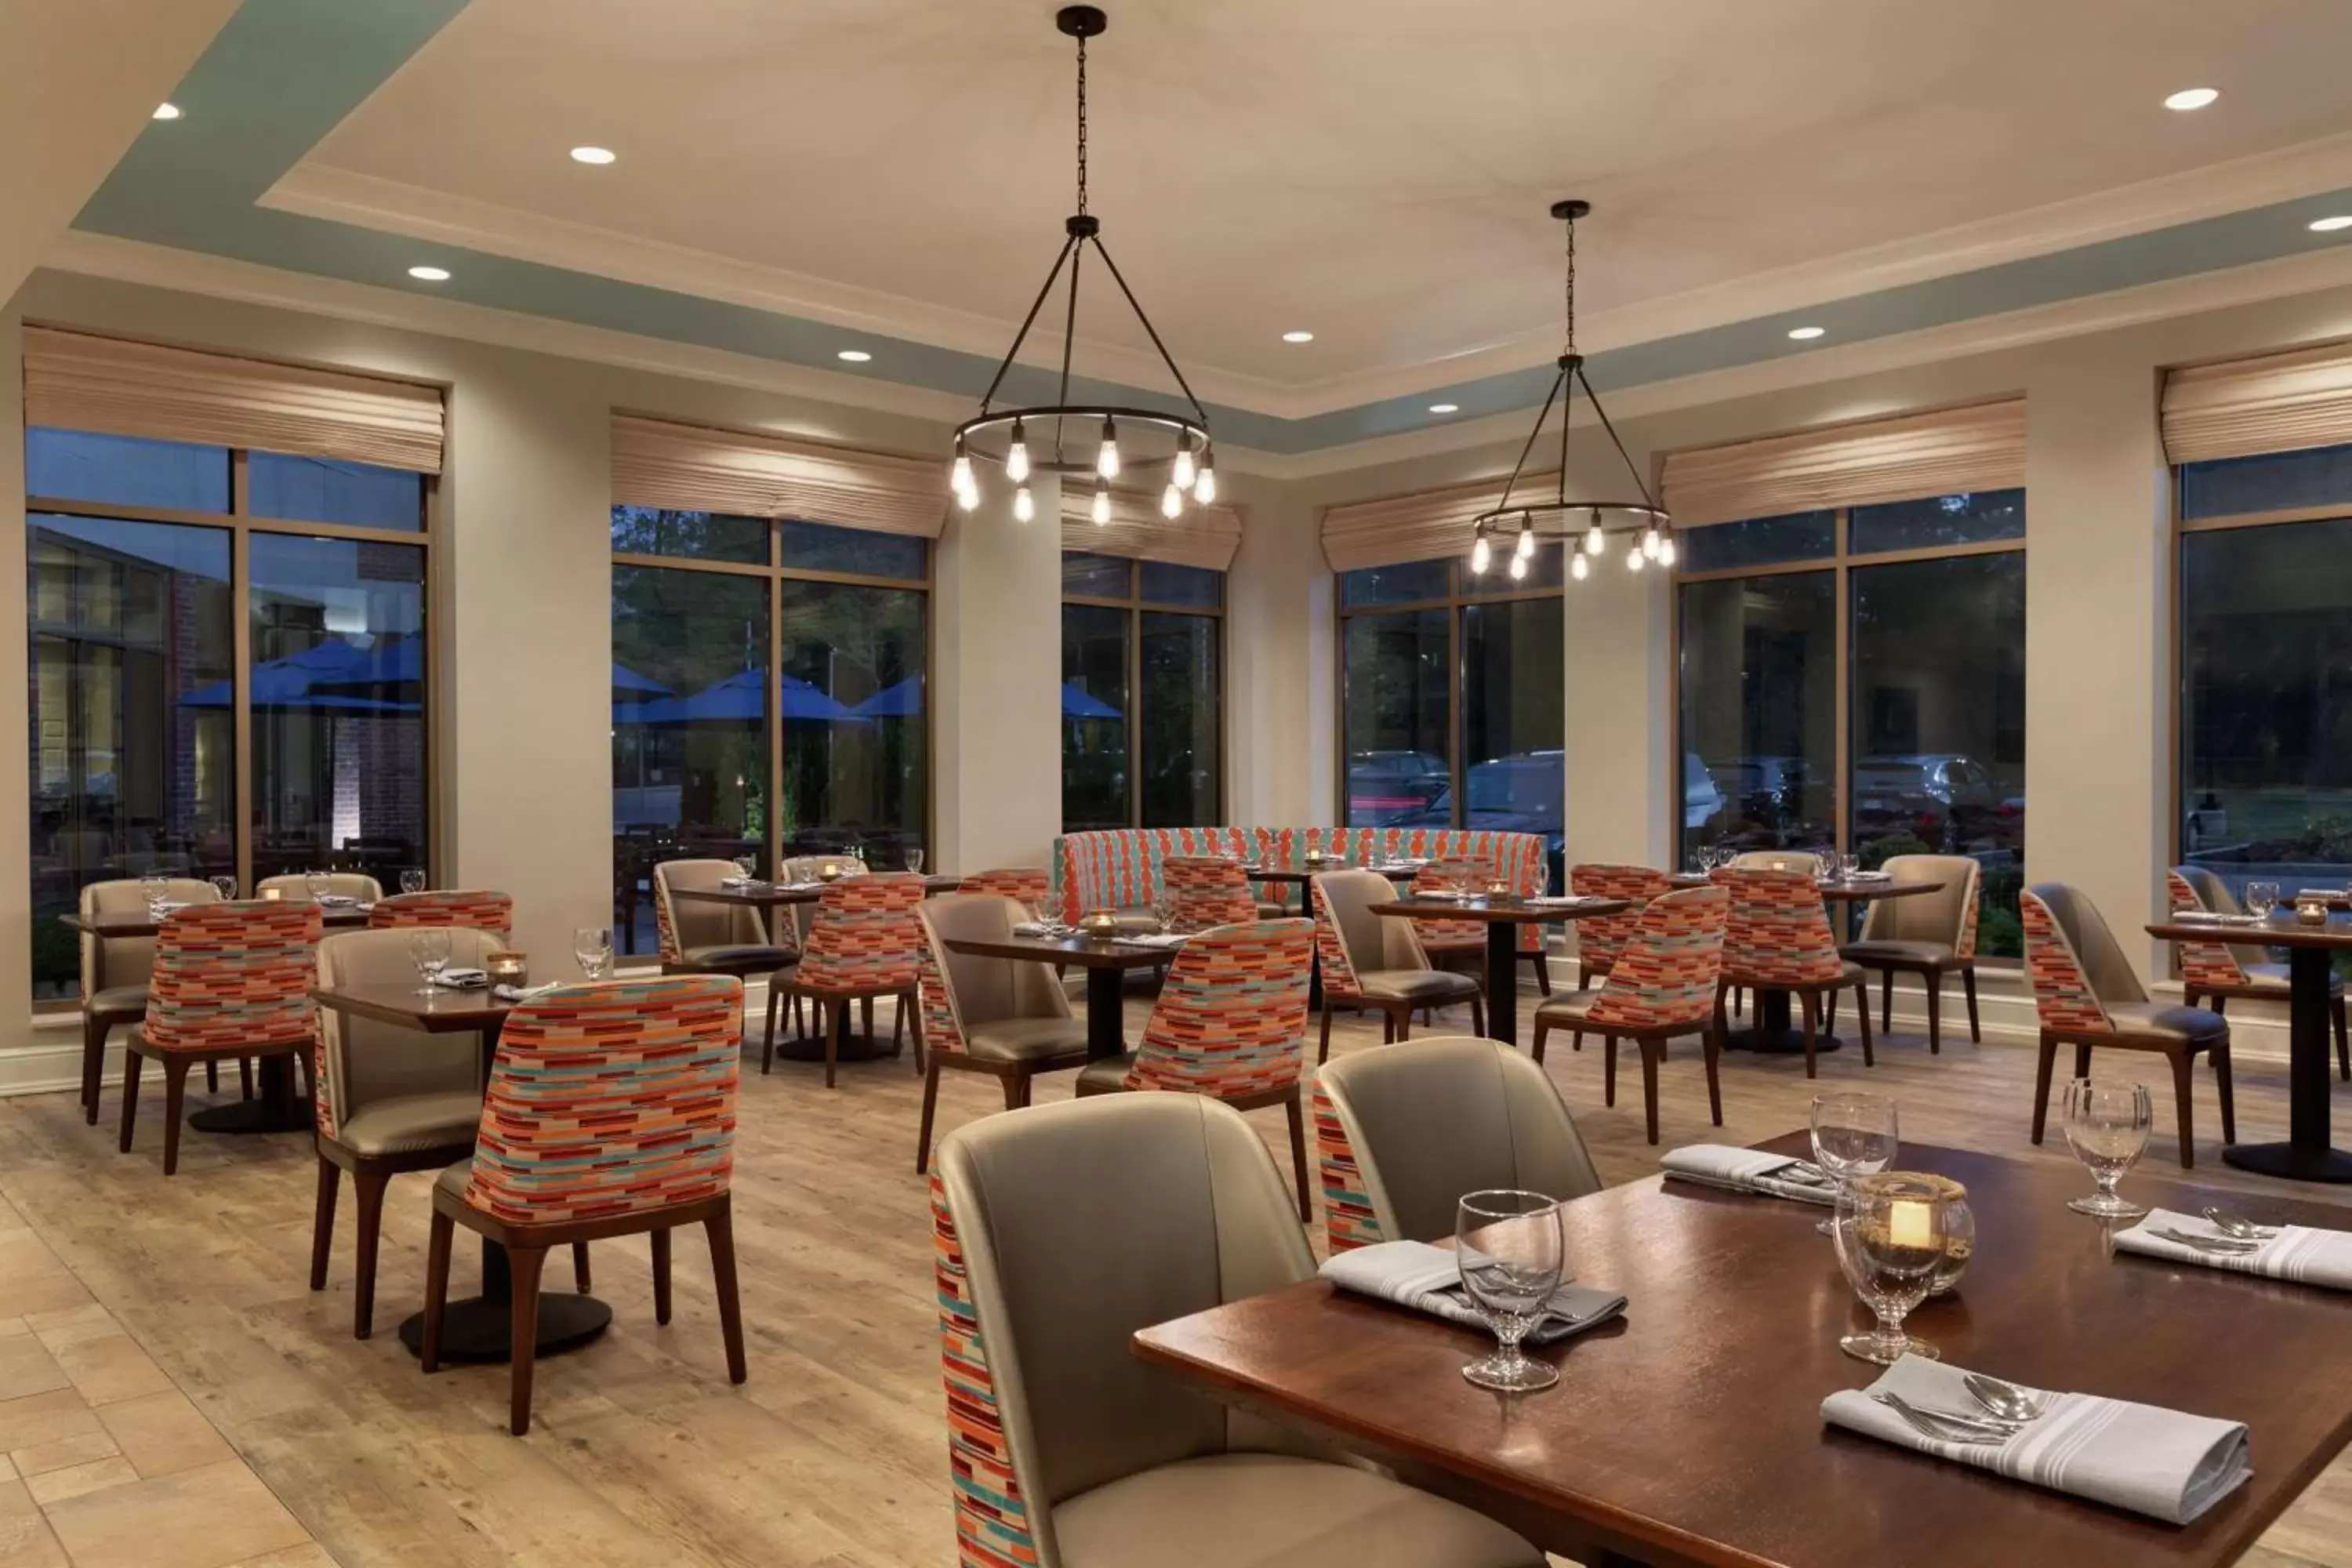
(737, 700)
(627, 681)
(1076, 704)
(904, 701)
(306, 680)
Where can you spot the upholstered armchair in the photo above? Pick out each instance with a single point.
(1400, 1135)
(1779, 939)
(1065, 1451)
(2217, 973)
(1376, 962)
(477, 907)
(1207, 892)
(1028, 886)
(1600, 938)
(1927, 934)
(2087, 995)
(114, 974)
(866, 941)
(698, 937)
(356, 886)
(1003, 1017)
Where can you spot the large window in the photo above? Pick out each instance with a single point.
(2265, 641)
(1451, 695)
(767, 695)
(229, 671)
(1144, 638)
(1855, 680)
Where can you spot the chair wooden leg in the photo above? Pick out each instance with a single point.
(1323, 1051)
(832, 1017)
(1583, 976)
(661, 1277)
(2221, 1087)
(243, 1077)
(775, 1001)
(212, 1078)
(527, 1264)
(176, 1094)
(1887, 999)
(1608, 1069)
(1478, 1017)
(1739, 1000)
(130, 1063)
(1711, 1047)
(930, 1109)
(1404, 1025)
(721, 1228)
(579, 1267)
(1650, 1050)
(1722, 1013)
(1932, 984)
(2183, 1108)
(866, 1017)
(368, 1183)
(1806, 1001)
(768, 1047)
(1969, 986)
(1013, 1084)
(2343, 1040)
(322, 1220)
(1862, 1012)
(436, 1289)
(2042, 1083)
(1829, 1011)
(93, 1067)
(2082, 1058)
(1542, 960)
(1536, 1046)
(1299, 1153)
(1388, 1028)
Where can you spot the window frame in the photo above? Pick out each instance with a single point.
(1136, 607)
(241, 523)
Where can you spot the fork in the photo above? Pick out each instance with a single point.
(1940, 1428)
(2224, 1246)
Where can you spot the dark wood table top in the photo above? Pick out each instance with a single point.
(1493, 911)
(139, 922)
(772, 895)
(1077, 952)
(2282, 929)
(448, 1012)
(1692, 1433)
(1853, 892)
(1301, 871)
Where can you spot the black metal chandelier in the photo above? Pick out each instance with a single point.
(1583, 524)
(1005, 436)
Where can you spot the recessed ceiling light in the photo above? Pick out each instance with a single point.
(2330, 224)
(2192, 98)
(1806, 334)
(165, 112)
(1299, 337)
(429, 274)
(592, 154)
(855, 356)
(1446, 408)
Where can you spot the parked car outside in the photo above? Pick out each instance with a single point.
(1396, 789)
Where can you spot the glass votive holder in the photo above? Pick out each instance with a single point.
(2311, 909)
(1959, 1231)
(829, 872)
(506, 967)
(1100, 925)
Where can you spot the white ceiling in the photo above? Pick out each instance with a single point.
(1376, 171)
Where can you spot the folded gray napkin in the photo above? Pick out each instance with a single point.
(462, 979)
(1563, 901)
(1429, 1279)
(1749, 1171)
(2215, 918)
(2166, 1464)
(2305, 1255)
(1151, 939)
(338, 901)
(524, 992)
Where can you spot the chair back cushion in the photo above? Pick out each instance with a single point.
(1208, 892)
(1779, 931)
(1231, 1020)
(1666, 976)
(1403, 1131)
(1349, 938)
(476, 906)
(1600, 938)
(1947, 915)
(234, 974)
(866, 936)
(610, 1099)
(683, 923)
(1060, 1231)
(1027, 886)
(2063, 994)
(1452, 874)
(340, 884)
(114, 961)
(2190, 889)
(958, 991)
(1803, 860)
(361, 1061)
(810, 868)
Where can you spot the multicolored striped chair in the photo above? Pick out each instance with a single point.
(1230, 1023)
(1005, 1016)
(230, 980)
(1600, 938)
(611, 1111)
(2214, 971)
(477, 907)
(1028, 886)
(1779, 939)
(114, 974)
(1207, 891)
(1467, 939)
(1665, 982)
(2088, 994)
(1376, 961)
(866, 941)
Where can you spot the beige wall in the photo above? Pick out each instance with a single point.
(15, 715)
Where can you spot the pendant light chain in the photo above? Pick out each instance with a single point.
(1571, 285)
(1081, 126)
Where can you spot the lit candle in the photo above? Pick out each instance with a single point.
(1911, 1225)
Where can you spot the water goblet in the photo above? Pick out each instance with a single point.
(1855, 1133)
(2108, 1126)
(428, 948)
(157, 890)
(592, 947)
(1163, 909)
(915, 862)
(317, 883)
(1509, 1245)
(747, 864)
(1890, 1243)
(226, 887)
(413, 879)
(2260, 898)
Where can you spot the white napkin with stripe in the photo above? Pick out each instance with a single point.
(2302, 1254)
(1748, 1171)
(2166, 1464)
(1427, 1278)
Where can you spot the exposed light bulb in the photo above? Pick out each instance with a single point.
(1666, 551)
(1016, 456)
(1185, 471)
(1482, 555)
(1101, 509)
(1526, 545)
(1024, 507)
(967, 497)
(1518, 568)
(1595, 541)
(1632, 560)
(1650, 544)
(1204, 488)
(962, 477)
(1577, 569)
(1171, 501)
(1107, 458)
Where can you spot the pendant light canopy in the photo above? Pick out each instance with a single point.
(1082, 438)
(1585, 524)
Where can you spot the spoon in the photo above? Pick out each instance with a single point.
(2243, 1229)
(2005, 1400)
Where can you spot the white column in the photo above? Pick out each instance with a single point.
(1280, 686)
(996, 680)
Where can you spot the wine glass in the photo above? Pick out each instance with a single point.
(915, 862)
(413, 879)
(1163, 909)
(2108, 1126)
(1890, 1242)
(592, 946)
(226, 887)
(157, 890)
(428, 948)
(1509, 1245)
(2261, 898)
(745, 865)
(317, 883)
(1855, 1133)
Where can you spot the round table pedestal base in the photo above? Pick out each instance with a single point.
(853, 1048)
(1779, 1042)
(481, 1329)
(2291, 1161)
(248, 1116)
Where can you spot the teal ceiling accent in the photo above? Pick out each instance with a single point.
(284, 73)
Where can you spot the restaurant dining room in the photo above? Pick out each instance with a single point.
(1218, 786)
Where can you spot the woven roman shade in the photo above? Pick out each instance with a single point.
(2279, 402)
(1203, 536)
(1980, 447)
(1422, 526)
(686, 468)
(74, 381)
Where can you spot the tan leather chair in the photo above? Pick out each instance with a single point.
(1803, 860)
(340, 884)
(1927, 934)
(114, 972)
(1401, 1134)
(1376, 962)
(999, 1015)
(1063, 1230)
(702, 937)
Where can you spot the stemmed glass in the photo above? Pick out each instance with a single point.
(2260, 898)
(226, 887)
(1855, 1133)
(428, 948)
(747, 864)
(1890, 1242)
(915, 862)
(1509, 1245)
(157, 890)
(1163, 909)
(2108, 1126)
(413, 879)
(592, 946)
(316, 883)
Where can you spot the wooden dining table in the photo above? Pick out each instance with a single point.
(1689, 1434)
(1769, 1031)
(1106, 960)
(1502, 915)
